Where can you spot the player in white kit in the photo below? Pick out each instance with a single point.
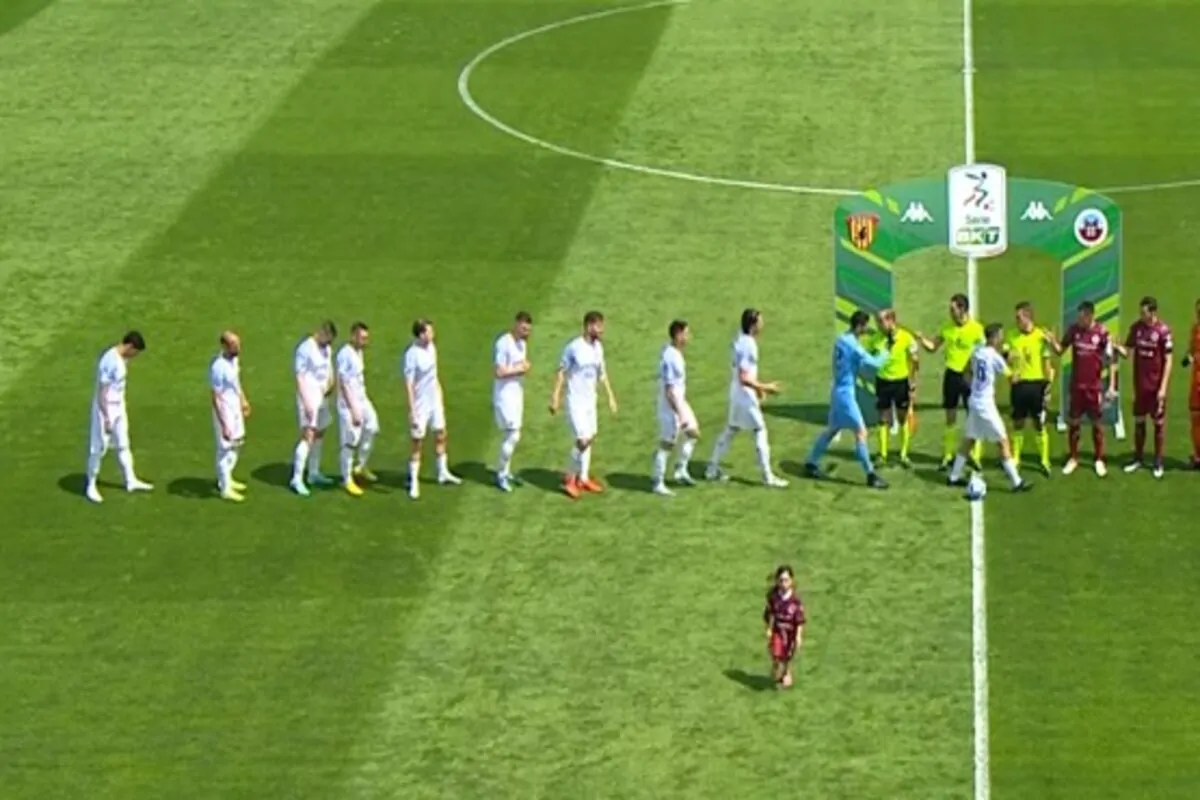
(229, 410)
(510, 365)
(677, 423)
(110, 420)
(746, 392)
(313, 367)
(426, 406)
(581, 368)
(358, 424)
(984, 423)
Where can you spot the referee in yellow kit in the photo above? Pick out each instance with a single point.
(1028, 353)
(895, 382)
(960, 335)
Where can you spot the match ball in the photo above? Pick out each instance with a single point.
(976, 487)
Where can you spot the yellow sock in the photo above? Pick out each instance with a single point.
(1018, 444)
(949, 441)
(1043, 443)
(884, 430)
(977, 452)
(905, 438)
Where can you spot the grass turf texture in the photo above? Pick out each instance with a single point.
(265, 165)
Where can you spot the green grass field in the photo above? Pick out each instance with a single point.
(181, 168)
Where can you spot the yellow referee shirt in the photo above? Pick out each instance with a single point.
(896, 369)
(1027, 352)
(959, 342)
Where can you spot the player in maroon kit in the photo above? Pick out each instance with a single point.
(784, 617)
(1091, 347)
(1149, 346)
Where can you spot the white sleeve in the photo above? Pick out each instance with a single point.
(345, 366)
(601, 367)
(568, 359)
(301, 363)
(500, 353)
(410, 364)
(742, 357)
(215, 378)
(671, 374)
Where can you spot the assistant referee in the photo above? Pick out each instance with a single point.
(895, 382)
(1028, 354)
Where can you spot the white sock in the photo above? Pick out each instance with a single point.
(232, 460)
(1010, 469)
(585, 464)
(960, 463)
(443, 465)
(314, 457)
(365, 446)
(125, 459)
(763, 449)
(414, 469)
(346, 462)
(685, 453)
(574, 463)
(721, 447)
(93, 467)
(223, 471)
(299, 460)
(508, 446)
(659, 472)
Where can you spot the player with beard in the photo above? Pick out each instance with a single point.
(1091, 348)
(1148, 344)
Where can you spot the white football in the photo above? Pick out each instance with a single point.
(976, 487)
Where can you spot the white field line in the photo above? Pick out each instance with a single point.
(979, 641)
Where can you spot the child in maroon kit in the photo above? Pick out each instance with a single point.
(784, 617)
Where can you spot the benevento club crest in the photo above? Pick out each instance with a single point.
(861, 229)
(1091, 227)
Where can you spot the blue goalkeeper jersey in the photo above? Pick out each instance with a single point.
(849, 357)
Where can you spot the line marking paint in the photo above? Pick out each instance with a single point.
(464, 93)
(979, 640)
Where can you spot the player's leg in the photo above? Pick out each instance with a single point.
(951, 392)
(1041, 433)
(1159, 419)
(976, 456)
(421, 417)
(971, 433)
(438, 423)
(762, 448)
(508, 420)
(350, 436)
(1007, 460)
(1020, 414)
(735, 422)
(366, 444)
(861, 450)
(124, 454)
(308, 431)
(227, 457)
(315, 476)
(903, 403)
(668, 433)
(884, 400)
(98, 441)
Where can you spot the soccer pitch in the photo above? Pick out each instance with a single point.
(182, 168)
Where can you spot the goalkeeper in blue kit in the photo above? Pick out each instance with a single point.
(849, 358)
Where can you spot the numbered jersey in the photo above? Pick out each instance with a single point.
(987, 367)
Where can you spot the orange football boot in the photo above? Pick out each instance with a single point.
(595, 487)
(571, 487)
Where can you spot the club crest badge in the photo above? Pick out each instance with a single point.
(1091, 227)
(861, 229)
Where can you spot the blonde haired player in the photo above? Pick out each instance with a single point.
(510, 365)
(984, 423)
(110, 420)
(676, 421)
(426, 406)
(358, 424)
(895, 382)
(312, 365)
(230, 409)
(580, 369)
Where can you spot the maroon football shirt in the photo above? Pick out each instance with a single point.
(1151, 345)
(1089, 350)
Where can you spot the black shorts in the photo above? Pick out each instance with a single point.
(1028, 399)
(956, 389)
(891, 394)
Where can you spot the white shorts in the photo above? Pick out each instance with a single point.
(509, 415)
(984, 424)
(745, 414)
(238, 429)
(583, 422)
(306, 421)
(671, 426)
(351, 434)
(427, 417)
(117, 436)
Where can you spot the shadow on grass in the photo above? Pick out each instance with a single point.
(755, 683)
(628, 482)
(475, 472)
(74, 483)
(818, 413)
(193, 488)
(544, 479)
(832, 473)
(277, 474)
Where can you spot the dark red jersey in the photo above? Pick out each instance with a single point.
(1090, 347)
(784, 613)
(1151, 348)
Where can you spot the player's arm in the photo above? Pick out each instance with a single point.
(1190, 355)
(343, 370)
(410, 381)
(560, 378)
(502, 369)
(931, 345)
(872, 360)
(768, 618)
(608, 390)
(913, 354)
(300, 368)
(106, 384)
(215, 386)
(1168, 349)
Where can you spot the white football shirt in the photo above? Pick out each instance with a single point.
(987, 366)
(421, 369)
(110, 372)
(351, 372)
(745, 359)
(583, 363)
(509, 352)
(314, 369)
(672, 373)
(225, 378)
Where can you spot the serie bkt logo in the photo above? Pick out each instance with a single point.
(1091, 227)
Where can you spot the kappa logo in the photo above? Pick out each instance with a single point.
(1091, 227)
(917, 213)
(1036, 212)
(862, 228)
